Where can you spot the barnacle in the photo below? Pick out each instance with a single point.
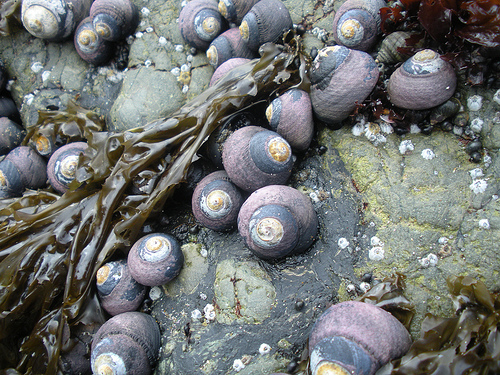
(52, 246)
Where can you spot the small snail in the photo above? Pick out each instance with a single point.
(226, 46)
(11, 135)
(114, 19)
(276, 221)
(235, 10)
(254, 157)
(355, 338)
(53, 20)
(265, 22)
(127, 343)
(357, 23)
(216, 201)
(340, 78)
(290, 115)
(118, 291)
(200, 22)
(90, 46)
(390, 48)
(225, 67)
(444, 111)
(421, 82)
(62, 165)
(155, 259)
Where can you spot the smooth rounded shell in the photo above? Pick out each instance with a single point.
(290, 115)
(216, 201)
(235, 10)
(226, 46)
(265, 22)
(90, 46)
(423, 81)
(31, 166)
(128, 343)
(53, 20)
(360, 326)
(357, 23)
(341, 78)
(200, 22)
(114, 19)
(225, 67)
(8, 109)
(62, 165)
(11, 184)
(155, 259)
(276, 221)
(118, 291)
(254, 157)
(11, 135)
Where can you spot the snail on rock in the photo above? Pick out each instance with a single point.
(226, 46)
(114, 19)
(90, 46)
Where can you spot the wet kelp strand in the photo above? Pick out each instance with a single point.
(51, 247)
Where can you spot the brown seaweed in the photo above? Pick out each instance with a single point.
(51, 246)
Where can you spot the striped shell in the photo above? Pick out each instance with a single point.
(53, 20)
(235, 10)
(389, 53)
(90, 46)
(114, 19)
(357, 23)
(226, 46)
(422, 82)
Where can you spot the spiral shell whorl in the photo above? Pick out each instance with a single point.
(62, 165)
(226, 46)
(388, 52)
(114, 19)
(235, 10)
(90, 46)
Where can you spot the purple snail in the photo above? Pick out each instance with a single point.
(127, 343)
(422, 82)
(235, 10)
(341, 78)
(62, 165)
(357, 23)
(225, 67)
(200, 23)
(355, 338)
(90, 46)
(114, 19)
(276, 221)
(265, 22)
(155, 259)
(11, 135)
(226, 46)
(254, 157)
(54, 20)
(216, 201)
(118, 291)
(290, 115)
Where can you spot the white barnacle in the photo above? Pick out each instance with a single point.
(443, 240)
(162, 41)
(238, 365)
(185, 89)
(36, 67)
(433, 259)
(425, 262)
(196, 314)
(358, 129)
(264, 348)
(376, 253)
(476, 125)
(415, 129)
(147, 63)
(209, 312)
(179, 48)
(406, 147)
(176, 71)
(476, 173)
(478, 186)
(475, 102)
(375, 241)
(139, 34)
(155, 293)
(364, 286)
(428, 154)
(342, 242)
(203, 296)
(484, 224)
(46, 75)
(145, 11)
(149, 29)
(496, 97)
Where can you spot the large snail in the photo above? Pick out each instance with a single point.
(276, 221)
(53, 20)
(11, 135)
(422, 82)
(341, 78)
(355, 338)
(62, 165)
(357, 23)
(114, 19)
(90, 46)
(226, 46)
(235, 10)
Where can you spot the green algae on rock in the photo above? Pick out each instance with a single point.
(51, 247)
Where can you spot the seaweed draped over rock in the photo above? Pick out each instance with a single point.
(51, 247)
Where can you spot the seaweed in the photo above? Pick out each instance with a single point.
(51, 247)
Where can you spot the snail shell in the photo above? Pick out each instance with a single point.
(117, 290)
(226, 46)
(235, 10)
(421, 82)
(11, 184)
(90, 46)
(200, 22)
(265, 22)
(8, 109)
(127, 343)
(53, 20)
(357, 23)
(225, 67)
(155, 259)
(216, 201)
(389, 53)
(355, 338)
(114, 19)
(62, 165)
(31, 166)
(340, 78)
(290, 115)
(276, 221)
(11, 135)
(446, 110)
(254, 157)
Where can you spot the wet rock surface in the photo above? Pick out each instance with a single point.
(428, 212)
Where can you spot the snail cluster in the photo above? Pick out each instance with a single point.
(11, 133)
(96, 24)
